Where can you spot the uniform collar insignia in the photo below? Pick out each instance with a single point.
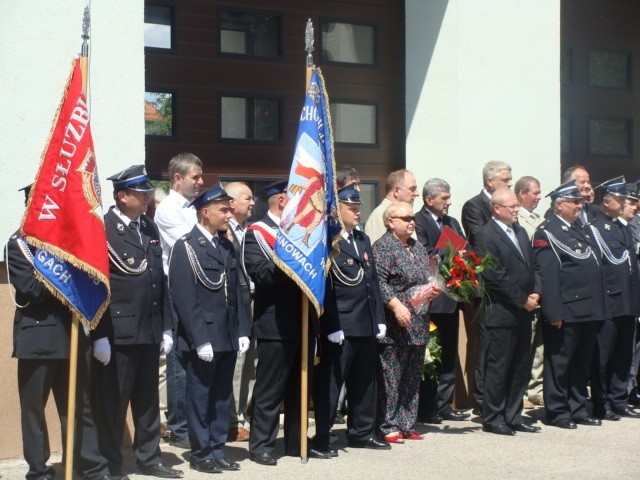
(607, 226)
(565, 228)
(202, 241)
(120, 227)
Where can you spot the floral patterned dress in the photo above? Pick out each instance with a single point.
(401, 354)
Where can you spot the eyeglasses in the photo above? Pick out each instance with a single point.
(510, 207)
(407, 218)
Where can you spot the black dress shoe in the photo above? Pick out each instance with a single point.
(634, 399)
(180, 442)
(206, 466)
(320, 454)
(609, 415)
(455, 416)
(589, 421)
(160, 470)
(565, 423)
(264, 458)
(477, 411)
(627, 412)
(432, 418)
(226, 464)
(333, 451)
(372, 443)
(498, 430)
(523, 427)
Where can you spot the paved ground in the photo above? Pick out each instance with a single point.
(451, 450)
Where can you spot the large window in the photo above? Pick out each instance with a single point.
(610, 137)
(354, 123)
(348, 43)
(158, 21)
(250, 118)
(244, 33)
(159, 111)
(610, 69)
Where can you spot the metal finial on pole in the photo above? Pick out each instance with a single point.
(86, 23)
(308, 42)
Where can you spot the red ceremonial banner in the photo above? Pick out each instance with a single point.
(64, 211)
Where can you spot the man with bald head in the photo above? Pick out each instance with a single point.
(512, 298)
(401, 186)
(583, 182)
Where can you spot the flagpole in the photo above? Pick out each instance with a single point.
(304, 349)
(75, 318)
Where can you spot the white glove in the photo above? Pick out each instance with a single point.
(336, 337)
(167, 342)
(205, 352)
(102, 350)
(382, 328)
(243, 343)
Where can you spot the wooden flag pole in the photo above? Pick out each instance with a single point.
(75, 319)
(304, 347)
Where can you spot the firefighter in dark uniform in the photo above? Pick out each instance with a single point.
(614, 344)
(141, 329)
(212, 326)
(572, 308)
(41, 330)
(277, 308)
(353, 319)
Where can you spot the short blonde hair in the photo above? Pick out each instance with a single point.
(393, 209)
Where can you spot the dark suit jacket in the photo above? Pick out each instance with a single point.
(277, 300)
(572, 287)
(621, 282)
(206, 315)
(428, 234)
(245, 288)
(513, 280)
(41, 325)
(476, 212)
(139, 303)
(355, 309)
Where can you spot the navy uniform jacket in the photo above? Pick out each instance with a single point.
(621, 282)
(205, 313)
(41, 324)
(355, 309)
(428, 234)
(138, 310)
(476, 213)
(513, 280)
(277, 300)
(572, 289)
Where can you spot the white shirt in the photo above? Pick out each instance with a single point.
(237, 229)
(346, 235)
(174, 218)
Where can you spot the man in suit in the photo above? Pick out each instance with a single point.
(583, 182)
(212, 326)
(527, 190)
(476, 212)
(244, 375)
(436, 398)
(572, 308)
(141, 329)
(401, 186)
(276, 327)
(513, 289)
(634, 226)
(614, 342)
(41, 330)
(353, 319)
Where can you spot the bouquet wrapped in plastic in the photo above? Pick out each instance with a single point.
(459, 269)
(420, 296)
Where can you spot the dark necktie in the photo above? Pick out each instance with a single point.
(133, 225)
(439, 222)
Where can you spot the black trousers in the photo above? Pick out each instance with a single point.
(277, 380)
(476, 312)
(352, 363)
(506, 373)
(438, 397)
(36, 380)
(130, 377)
(612, 365)
(568, 352)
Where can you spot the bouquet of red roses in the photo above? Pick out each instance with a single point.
(460, 269)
